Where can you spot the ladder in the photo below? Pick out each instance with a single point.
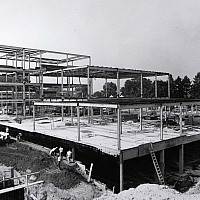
(156, 165)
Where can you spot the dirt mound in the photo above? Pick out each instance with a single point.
(154, 192)
(25, 159)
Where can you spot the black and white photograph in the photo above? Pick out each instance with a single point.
(99, 99)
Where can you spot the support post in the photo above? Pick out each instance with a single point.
(72, 117)
(141, 112)
(180, 120)
(161, 122)
(106, 87)
(91, 109)
(118, 84)
(192, 109)
(62, 110)
(156, 86)
(121, 171)
(181, 158)
(119, 128)
(141, 85)
(41, 76)
(162, 162)
(88, 81)
(78, 122)
(169, 93)
(33, 117)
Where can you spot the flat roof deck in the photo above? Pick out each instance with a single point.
(134, 142)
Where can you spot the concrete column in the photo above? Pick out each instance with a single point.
(78, 122)
(161, 122)
(181, 158)
(181, 120)
(162, 162)
(121, 171)
(119, 128)
(141, 111)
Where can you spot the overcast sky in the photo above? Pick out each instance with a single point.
(161, 35)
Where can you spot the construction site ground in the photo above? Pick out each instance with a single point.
(58, 184)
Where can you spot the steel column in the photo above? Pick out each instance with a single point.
(119, 128)
(180, 120)
(156, 86)
(181, 158)
(78, 122)
(161, 122)
(141, 85)
(121, 171)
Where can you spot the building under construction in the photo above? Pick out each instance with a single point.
(41, 83)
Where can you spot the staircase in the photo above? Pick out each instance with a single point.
(156, 165)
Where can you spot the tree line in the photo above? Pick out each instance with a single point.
(179, 88)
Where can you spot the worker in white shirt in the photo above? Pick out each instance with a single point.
(60, 151)
(69, 156)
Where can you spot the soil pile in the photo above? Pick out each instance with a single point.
(153, 192)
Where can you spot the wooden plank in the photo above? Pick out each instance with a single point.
(2, 191)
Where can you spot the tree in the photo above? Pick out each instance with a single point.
(178, 89)
(132, 88)
(162, 88)
(195, 88)
(186, 87)
(110, 88)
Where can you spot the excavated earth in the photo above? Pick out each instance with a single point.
(58, 184)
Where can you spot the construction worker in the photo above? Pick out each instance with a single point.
(19, 137)
(7, 129)
(53, 151)
(60, 151)
(69, 156)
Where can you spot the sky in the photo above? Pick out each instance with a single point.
(139, 34)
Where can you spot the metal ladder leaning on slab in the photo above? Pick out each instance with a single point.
(156, 165)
